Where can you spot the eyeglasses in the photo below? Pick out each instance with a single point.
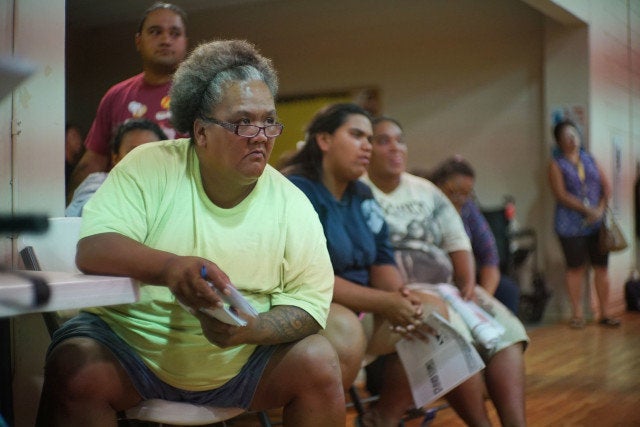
(248, 131)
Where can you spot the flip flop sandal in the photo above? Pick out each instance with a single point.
(610, 322)
(576, 323)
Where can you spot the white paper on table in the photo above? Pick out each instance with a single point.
(436, 366)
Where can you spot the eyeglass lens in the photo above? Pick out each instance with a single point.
(250, 131)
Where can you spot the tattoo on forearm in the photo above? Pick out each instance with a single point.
(287, 323)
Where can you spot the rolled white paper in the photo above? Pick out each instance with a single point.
(483, 326)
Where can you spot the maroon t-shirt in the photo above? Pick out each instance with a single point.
(131, 98)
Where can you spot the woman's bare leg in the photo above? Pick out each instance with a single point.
(468, 401)
(395, 392)
(345, 334)
(304, 378)
(395, 396)
(505, 378)
(574, 278)
(602, 284)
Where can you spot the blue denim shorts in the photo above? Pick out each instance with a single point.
(237, 392)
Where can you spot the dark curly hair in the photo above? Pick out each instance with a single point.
(451, 167)
(135, 124)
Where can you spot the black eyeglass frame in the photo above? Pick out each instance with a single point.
(233, 128)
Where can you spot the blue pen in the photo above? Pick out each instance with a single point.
(203, 274)
(232, 297)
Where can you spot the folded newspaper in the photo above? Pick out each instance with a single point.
(439, 364)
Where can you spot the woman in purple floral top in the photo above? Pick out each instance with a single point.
(456, 178)
(581, 190)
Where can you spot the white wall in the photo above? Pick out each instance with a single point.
(32, 159)
(32, 117)
(39, 109)
(614, 81)
(566, 85)
(600, 65)
(6, 38)
(36, 109)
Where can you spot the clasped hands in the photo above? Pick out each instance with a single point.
(405, 313)
(594, 214)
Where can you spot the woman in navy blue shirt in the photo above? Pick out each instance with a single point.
(326, 169)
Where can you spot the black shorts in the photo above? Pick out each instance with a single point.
(580, 250)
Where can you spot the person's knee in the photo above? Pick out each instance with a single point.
(319, 361)
(67, 358)
(72, 367)
(510, 356)
(345, 333)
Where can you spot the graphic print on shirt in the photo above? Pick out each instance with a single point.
(416, 234)
(373, 215)
(137, 109)
(162, 117)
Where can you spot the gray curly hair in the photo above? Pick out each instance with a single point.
(200, 79)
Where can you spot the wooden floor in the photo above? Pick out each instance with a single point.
(588, 377)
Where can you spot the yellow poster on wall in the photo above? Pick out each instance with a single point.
(295, 114)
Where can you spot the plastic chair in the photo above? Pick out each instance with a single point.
(55, 251)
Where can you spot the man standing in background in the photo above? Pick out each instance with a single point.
(161, 41)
